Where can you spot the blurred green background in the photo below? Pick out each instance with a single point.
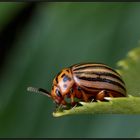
(37, 40)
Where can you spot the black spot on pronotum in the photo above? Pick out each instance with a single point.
(56, 79)
(65, 86)
(58, 73)
(66, 78)
(67, 71)
(62, 75)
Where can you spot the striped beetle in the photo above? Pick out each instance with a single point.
(86, 82)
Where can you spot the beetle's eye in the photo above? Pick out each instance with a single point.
(58, 93)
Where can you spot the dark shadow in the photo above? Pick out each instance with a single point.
(8, 34)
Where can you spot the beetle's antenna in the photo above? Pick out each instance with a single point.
(39, 90)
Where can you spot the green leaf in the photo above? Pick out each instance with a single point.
(129, 69)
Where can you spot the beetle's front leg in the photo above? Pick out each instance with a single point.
(63, 105)
(72, 96)
(83, 94)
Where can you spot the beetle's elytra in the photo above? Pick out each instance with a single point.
(86, 82)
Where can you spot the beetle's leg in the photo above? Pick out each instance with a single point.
(100, 96)
(72, 95)
(72, 98)
(84, 96)
(92, 100)
(59, 107)
(74, 106)
(108, 97)
(63, 102)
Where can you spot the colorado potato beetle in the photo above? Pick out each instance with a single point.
(85, 82)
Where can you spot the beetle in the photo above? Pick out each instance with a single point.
(86, 82)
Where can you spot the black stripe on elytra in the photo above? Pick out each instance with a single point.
(87, 63)
(88, 92)
(102, 74)
(102, 80)
(95, 67)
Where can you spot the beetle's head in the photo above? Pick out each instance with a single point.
(55, 94)
(62, 85)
